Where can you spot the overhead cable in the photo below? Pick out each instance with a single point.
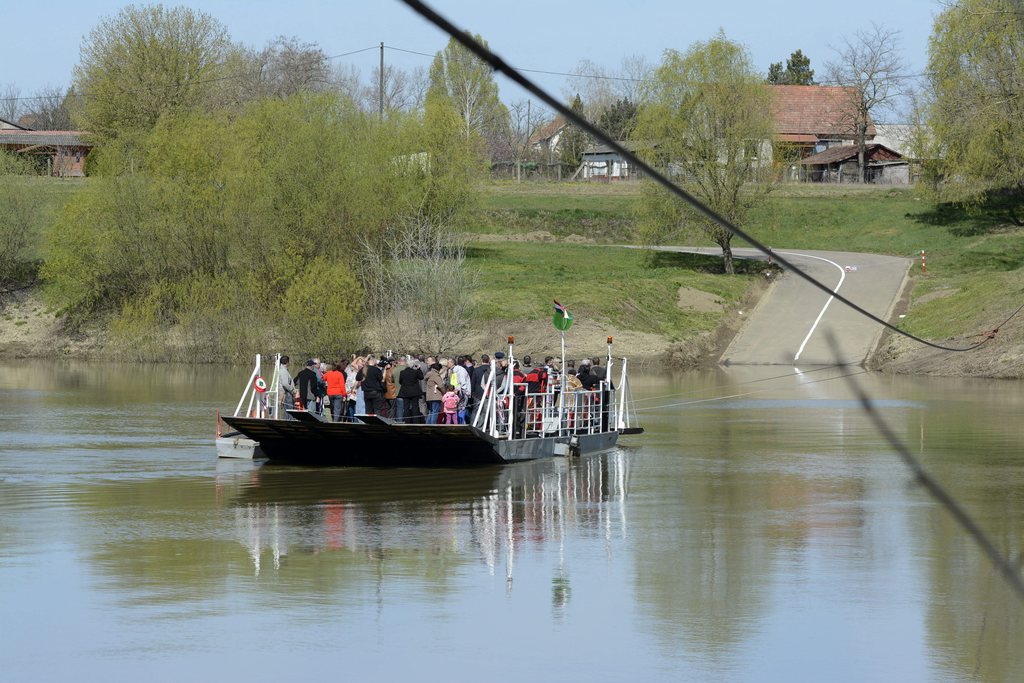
(498, 64)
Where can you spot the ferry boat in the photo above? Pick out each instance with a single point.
(511, 425)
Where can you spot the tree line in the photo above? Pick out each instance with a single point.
(225, 214)
(240, 192)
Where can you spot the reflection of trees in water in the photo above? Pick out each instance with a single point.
(723, 523)
(76, 383)
(341, 534)
(973, 619)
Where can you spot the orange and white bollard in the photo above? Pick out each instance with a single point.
(924, 268)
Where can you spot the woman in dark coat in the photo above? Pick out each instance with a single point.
(409, 393)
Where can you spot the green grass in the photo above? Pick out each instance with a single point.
(628, 288)
(53, 194)
(974, 256)
(616, 198)
(975, 253)
(596, 211)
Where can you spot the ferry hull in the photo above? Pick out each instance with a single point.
(381, 443)
(239, 447)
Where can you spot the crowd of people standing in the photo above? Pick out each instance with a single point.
(419, 389)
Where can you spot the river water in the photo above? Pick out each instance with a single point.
(761, 530)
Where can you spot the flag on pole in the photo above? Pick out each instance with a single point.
(562, 320)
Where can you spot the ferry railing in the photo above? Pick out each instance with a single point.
(505, 413)
(260, 402)
(549, 413)
(625, 414)
(589, 411)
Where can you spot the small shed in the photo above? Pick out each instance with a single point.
(885, 166)
(64, 151)
(601, 162)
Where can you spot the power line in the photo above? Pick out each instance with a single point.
(502, 67)
(933, 488)
(354, 52)
(411, 52)
(566, 74)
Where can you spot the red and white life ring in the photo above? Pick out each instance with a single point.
(260, 385)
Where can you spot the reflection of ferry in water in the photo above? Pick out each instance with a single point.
(513, 425)
(484, 514)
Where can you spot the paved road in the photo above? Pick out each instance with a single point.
(789, 325)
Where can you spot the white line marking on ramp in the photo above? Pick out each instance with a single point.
(842, 276)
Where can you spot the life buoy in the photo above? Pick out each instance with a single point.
(260, 385)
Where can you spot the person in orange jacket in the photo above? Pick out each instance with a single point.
(336, 394)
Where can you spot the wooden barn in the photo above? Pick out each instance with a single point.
(839, 165)
(60, 153)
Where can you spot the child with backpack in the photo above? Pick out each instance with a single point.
(450, 402)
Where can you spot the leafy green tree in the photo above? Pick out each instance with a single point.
(215, 224)
(710, 112)
(573, 141)
(619, 120)
(144, 62)
(323, 319)
(21, 203)
(458, 79)
(798, 71)
(977, 76)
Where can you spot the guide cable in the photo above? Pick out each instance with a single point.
(921, 476)
(498, 64)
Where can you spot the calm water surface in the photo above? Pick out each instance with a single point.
(768, 535)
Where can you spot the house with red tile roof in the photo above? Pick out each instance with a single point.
(809, 119)
(813, 118)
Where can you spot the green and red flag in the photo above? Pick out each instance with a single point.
(562, 320)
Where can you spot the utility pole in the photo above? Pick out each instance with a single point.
(381, 87)
(529, 130)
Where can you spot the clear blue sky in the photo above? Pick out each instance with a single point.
(551, 35)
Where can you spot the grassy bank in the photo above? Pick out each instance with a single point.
(533, 241)
(627, 288)
(974, 256)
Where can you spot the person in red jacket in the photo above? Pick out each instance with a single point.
(335, 379)
(519, 391)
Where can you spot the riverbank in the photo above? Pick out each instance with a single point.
(971, 283)
(531, 242)
(656, 307)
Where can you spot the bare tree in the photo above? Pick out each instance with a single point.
(514, 140)
(10, 102)
(346, 79)
(403, 90)
(871, 66)
(48, 110)
(417, 287)
(594, 86)
(288, 66)
(600, 88)
(634, 71)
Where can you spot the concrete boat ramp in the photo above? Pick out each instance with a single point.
(791, 324)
